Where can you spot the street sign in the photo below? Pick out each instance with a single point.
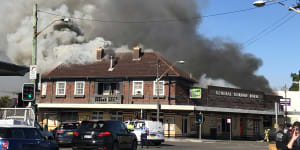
(285, 101)
(33, 71)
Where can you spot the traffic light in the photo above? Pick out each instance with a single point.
(28, 92)
(199, 117)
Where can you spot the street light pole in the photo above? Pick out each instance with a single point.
(157, 91)
(34, 45)
(157, 83)
(34, 40)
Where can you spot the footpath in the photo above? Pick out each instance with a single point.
(185, 139)
(196, 140)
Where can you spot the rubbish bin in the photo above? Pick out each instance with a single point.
(213, 133)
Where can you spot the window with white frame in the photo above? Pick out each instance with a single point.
(44, 88)
(97, 115)
(138, 87)
(60, 88)
(159, 88)
(79, 88)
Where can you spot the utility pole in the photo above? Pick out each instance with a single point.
(285, 106)
(34, 53)
(276, 115)
(157, 90)
(34, 40)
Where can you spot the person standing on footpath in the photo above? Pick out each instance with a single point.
(144, 136)
(294, 143)
(282, 138)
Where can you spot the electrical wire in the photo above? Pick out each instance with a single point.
(156, 20)
(270, 29)
(153, 20)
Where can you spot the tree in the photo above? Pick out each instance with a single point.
(5, 101)
(295, 85)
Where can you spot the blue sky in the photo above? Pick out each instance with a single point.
(278, 46)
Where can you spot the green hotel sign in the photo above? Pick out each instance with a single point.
(195, 93)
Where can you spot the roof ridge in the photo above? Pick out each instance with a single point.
(171, 66)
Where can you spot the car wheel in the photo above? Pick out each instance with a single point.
(134, 145)
(116, 146)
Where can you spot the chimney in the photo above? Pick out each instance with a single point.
(111, 64)
(100, 53)
(137, 53)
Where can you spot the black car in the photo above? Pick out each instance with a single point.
(103, 135)
(64, 133)
(24, 138)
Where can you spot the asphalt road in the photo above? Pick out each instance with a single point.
(206, 145)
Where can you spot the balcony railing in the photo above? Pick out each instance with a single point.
(108, 99)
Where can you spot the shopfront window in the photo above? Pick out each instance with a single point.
(117, 115)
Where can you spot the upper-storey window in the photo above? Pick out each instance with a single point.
(108, 88)
(159, 88)
(61, 88)
(138, 88)
(44, 88)
(79, 88)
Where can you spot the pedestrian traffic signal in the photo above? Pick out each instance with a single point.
(28, 92)
(199, 117)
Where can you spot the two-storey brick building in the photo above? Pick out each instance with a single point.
(119, 87)
(123, 87)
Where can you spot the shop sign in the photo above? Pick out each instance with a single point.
(195, 93)
(234, 94)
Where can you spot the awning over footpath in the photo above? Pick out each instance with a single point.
(8, 69)
(154, 107)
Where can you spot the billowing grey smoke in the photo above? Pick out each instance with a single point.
(216, 58)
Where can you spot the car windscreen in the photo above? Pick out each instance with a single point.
(69, 126)
(91, 125)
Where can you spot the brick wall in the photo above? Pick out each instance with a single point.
(127, 87)
(69, 93)
(147, 93)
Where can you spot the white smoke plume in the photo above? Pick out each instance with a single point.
(205, 81)
(60, 43)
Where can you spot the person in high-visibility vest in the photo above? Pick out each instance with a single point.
(130, 126)
(267, 135)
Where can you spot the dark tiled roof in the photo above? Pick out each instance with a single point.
(124, 66)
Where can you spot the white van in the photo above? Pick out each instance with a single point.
(155, 133)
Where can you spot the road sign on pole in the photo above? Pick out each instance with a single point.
(33, 72)
(285, 101)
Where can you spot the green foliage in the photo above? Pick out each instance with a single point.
(5, 101)
(294, 87)
(295, 78)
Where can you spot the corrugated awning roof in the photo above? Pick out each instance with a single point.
(8, 69)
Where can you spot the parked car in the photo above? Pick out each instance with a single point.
(155, 133)
(22, 137)
(108, 134)
(43, 131)
(64, 133)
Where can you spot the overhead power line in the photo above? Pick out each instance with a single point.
(270, 28)
(147, 21)
(154, 20)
